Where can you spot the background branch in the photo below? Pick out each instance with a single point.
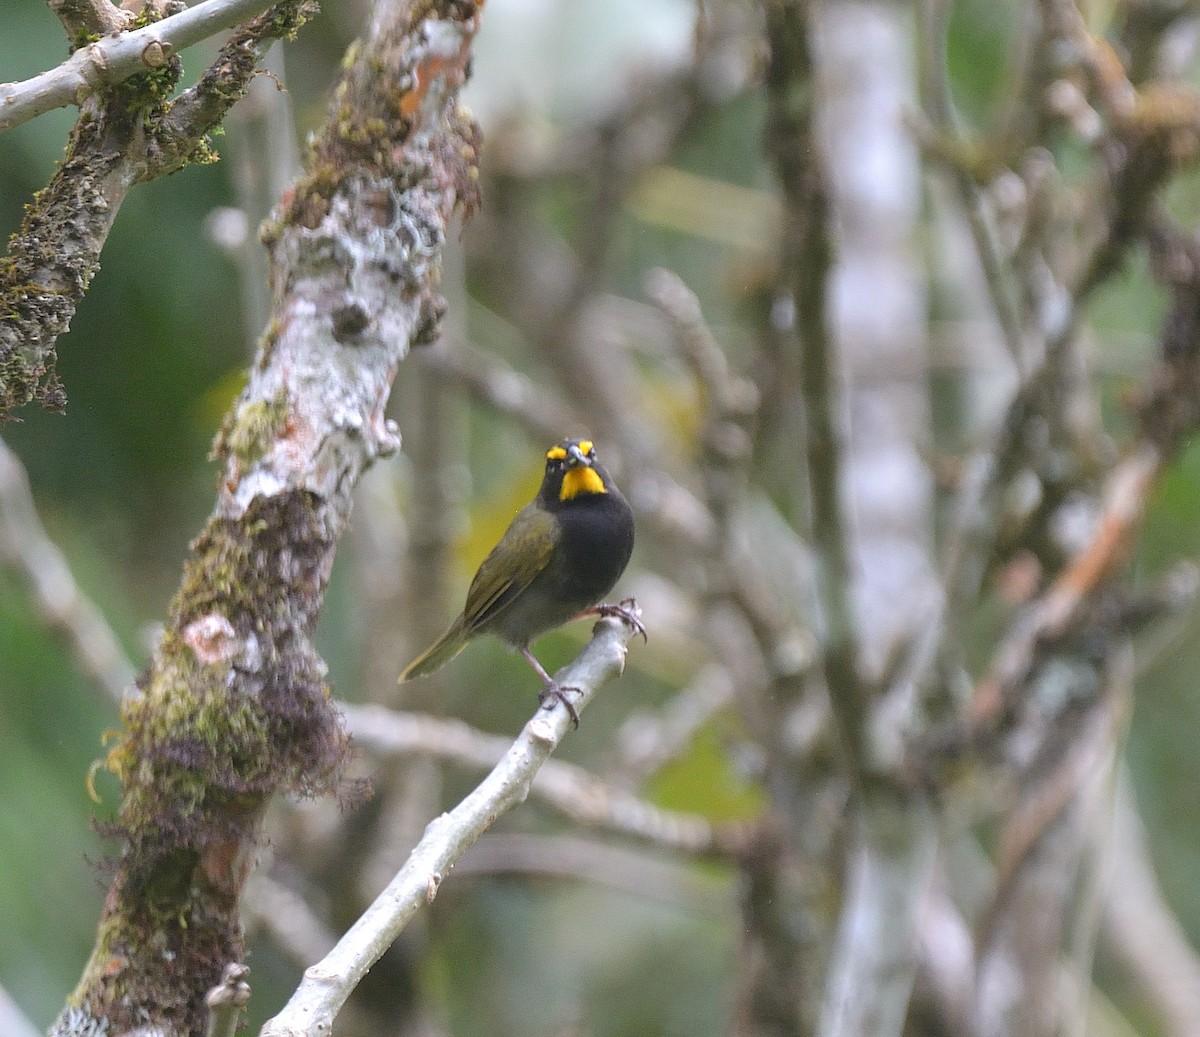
(25, 547)
(567, 788)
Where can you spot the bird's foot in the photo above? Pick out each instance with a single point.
(553, 692)
(623, 610)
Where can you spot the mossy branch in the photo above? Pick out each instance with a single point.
(129, 131)
(234, 708)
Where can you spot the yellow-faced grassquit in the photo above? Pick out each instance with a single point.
(558, 558)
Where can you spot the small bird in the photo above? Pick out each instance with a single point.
(560, 555)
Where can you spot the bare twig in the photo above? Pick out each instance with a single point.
(931, 35)
(227, 999)
(121, 138)
(637, 872)
(326, 985)
(287, 918)
(647, 743)
(1049, 618)
(114, 58)
(1039, 880)
(25, 546)
(800, 322)
(505, 390)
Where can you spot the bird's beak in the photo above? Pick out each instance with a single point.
(576, 457)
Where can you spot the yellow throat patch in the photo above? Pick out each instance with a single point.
(580, 480)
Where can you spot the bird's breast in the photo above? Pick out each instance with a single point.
(595, 542)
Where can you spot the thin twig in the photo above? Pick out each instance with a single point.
(1141, 931)
(647, 743)
(801, 322)
(505, 390)
(288, 919)
(638, 872)
(932, 16)
(1051, 616)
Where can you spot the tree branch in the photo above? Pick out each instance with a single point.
(234, 707)
(800, 322)
(1143, 934)
(226, 1000)
(327, 984)
(123, 136)
(112, 59)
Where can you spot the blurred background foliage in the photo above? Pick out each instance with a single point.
(156, 353)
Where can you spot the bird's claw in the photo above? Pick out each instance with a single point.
(623, 610)
(552, 693)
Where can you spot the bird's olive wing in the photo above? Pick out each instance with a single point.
(523, 552)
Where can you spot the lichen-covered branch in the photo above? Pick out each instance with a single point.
(129, 133)
(326, 984)
(234, 707)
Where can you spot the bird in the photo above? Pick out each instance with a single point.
(561, 554)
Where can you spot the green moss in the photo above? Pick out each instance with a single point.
(83, 38)
(249, 430)
(222, 723)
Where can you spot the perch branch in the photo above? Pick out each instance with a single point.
(13, 1022)
(327, 984)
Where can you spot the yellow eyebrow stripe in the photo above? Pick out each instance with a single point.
(556, 453)
(585, 447)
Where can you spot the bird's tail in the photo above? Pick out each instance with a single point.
(445, 648)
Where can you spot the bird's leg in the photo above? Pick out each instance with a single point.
(622, 611)
(551, 689)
